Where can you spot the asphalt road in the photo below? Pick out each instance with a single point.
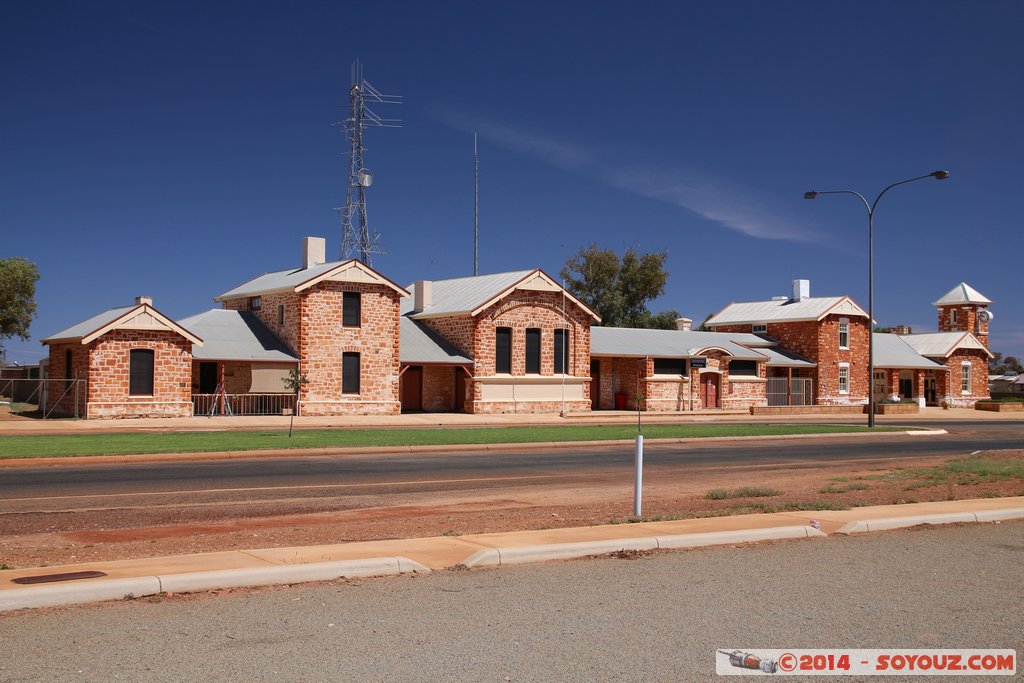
(72, 487)
(654, 618)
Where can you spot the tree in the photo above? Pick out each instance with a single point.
(618, 289)
(17, 296)
(294, 382)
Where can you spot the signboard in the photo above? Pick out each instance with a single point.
(698, 362)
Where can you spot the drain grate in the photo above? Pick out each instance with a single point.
(51, 578)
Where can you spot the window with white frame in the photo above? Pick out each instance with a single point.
(965, 378)
(844, 333)
(759, 329)
(844, 378)
(952, 316)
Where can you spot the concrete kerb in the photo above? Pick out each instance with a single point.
(80, 592)
(906, 521)
(73, 461)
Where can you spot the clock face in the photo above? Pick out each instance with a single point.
(984, 316)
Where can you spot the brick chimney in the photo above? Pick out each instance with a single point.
(684, 324)
(801, 290)
(314, 251)
(143, 300)
(424, 295)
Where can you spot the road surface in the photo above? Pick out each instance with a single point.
(653, 618)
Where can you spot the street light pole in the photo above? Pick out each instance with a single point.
(813, 194)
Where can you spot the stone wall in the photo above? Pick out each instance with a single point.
(323, 339)
(289, 331)
(109, 375)
(979, 378)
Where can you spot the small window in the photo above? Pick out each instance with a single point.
(561, 351)
(280, 314)
(743, 368)
(255, 303)
(503, 350)
(351, 315)
(350, 373)
(965, 378)
(952, 316)
(67, 365)
(669, 366)
(140, 372)
(759, 329)
(844, 333)
(844, 378)
(533, 351)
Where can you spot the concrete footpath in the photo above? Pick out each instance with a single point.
(118, 580)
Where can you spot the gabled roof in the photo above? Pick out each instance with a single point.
(236, 335)
(943, 344)
(963, 293)
(785, 310)
(784, 358)
(418, 344)
(299, 279)
(626, 342)
(891, 351)
(470, 295)
(136, 317)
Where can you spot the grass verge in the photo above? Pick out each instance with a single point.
(199, 442)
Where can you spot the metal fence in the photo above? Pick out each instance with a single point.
(783, 391)
(45, 397)
(242, 404)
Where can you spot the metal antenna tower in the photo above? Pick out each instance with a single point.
(356, 234)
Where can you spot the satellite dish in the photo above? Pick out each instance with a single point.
(365, 177)
(986, 316)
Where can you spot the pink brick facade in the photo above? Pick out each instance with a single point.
(104, 364)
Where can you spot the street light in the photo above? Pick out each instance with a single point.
(813, 194)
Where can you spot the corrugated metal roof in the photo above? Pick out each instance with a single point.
(963, 293)
(281, 279)
(235, 335)
(891, 351)
(90, 325)
(811, 308)
(639, 343)
(420, 344)
(941, 343)
(462, 294)
(784, 358)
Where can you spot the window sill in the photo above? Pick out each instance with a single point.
(746, 378)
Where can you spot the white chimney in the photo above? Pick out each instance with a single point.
(424, 295)
(314, 251)
(801, 290)
(144, 300)
(684, 324)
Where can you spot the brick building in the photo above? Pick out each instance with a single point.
(498, 343)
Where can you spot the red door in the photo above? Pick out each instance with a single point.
(709, 390)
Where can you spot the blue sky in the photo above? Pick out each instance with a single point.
(179, 149)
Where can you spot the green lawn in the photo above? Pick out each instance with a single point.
(195, 442)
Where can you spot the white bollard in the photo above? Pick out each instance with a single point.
(638, 476)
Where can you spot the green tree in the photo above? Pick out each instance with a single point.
(618, 289)
(17, 296)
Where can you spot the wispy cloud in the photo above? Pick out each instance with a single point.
(742, 209)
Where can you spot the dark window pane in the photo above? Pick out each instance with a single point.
(669, 366)
(350, 373)
(350, 315)
(533, 351)
(280, 314)
(561, 351)
(743, 367)
(140, 372)
(255, 303)
(503, 350)
(67, 365)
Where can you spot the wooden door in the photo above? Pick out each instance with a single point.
(709, 390)
(460, 390)
(595, 385)
(412, 388)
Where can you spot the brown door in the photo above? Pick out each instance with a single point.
(460, 390)
(709, 390)
(412, 388)
(595, 385)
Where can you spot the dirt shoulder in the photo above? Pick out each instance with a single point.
(158, 528)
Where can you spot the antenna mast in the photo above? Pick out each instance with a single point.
(476, 209)
(356, 235)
